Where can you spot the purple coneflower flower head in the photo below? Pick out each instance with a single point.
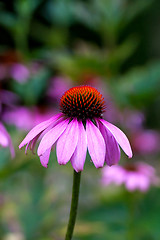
(5, 140)
(79, 126)
(138, 176)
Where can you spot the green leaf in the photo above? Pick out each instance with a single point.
(138, 86)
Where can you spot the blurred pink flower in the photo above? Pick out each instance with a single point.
(26, 118)
(138, 176)
(78, 127)
(133, 120)
(12, 66)
(58, 87)
(146, 141)
(8, 98)
(19, 72)
(5, 140)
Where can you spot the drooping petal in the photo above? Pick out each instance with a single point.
(112, 149)
(51, 137)
(27, 146)
(38, 129)
(119, 136)
(79, 155)
(45, 158)
(67, 142)
(31, 145)
(96, 144)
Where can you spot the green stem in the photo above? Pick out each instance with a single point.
(131, 217)
(74, 205)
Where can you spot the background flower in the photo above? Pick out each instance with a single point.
(5, 139)
(137, 176)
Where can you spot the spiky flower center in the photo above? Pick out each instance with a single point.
(130, 167)
(82, 102)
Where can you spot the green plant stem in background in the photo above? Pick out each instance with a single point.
(74, 205)
(132, 203)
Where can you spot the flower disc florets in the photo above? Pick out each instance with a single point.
(82, 102)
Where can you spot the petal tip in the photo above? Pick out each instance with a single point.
(99, 166)
(40, 152)
(61, 163)
(78, 169)
(111, 164)
(20, 145)
(45, 165)
(130, 155)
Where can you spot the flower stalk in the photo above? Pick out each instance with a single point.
(74, 205)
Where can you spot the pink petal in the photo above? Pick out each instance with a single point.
(45, 158)
(3, 139)
(79, 155)
(38, 129)
(31, 145)
(96, 144)
(51, 137)
(27, 146)
(119, 136)
(112, 148)
(67, 142)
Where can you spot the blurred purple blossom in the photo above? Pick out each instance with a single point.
(8, 98)
(24, 118)
(138, 176)
(133, 119)
(19, 72)
(146, 141)
(5, 140)
(58, 86)
(12, 66)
